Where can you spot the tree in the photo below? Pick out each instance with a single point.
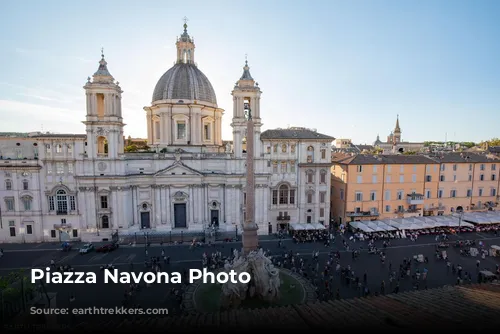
(131, 148)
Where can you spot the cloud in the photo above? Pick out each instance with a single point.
(44, 94)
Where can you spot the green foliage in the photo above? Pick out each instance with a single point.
(131, 148)
(409, 153)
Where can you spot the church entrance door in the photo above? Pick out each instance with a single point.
(145, 223)
(180, 219)
(214, 217)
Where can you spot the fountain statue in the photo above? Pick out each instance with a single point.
(265, 279)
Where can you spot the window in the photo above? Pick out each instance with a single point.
(269, 149)
(181, 130)
(283, 194)
(441, 178)
(373, 196)
(342, 194)
(10, 204)
(70, 168)
(358, 197)
(291, 198)
(387, 208)
(206, 131)
(323, 154)
(62, 202)
(388, 179)
(309, 198)
(481, 177)
(72, 203)
(387, 195)
(275, 197)
(12, 228)
(374, 168)
(493, 192)
(480, 191)
(440, 193)
(49, 169)
(8, 185)
(427, 168)
(414, 168)
(400, 195)
(470, 167)
(493, 167)
(374, 178)
(428, 178)
(401, 178)
(443, 167)
(275, 167)
(70, 149)
(292, 166)
(59, 168)
(359, 179)
(454, 167)
(389, 168)
(25, 185)
(310, 176)
(284, 168)
(469, 192)
(75, 233)
(52, 233)
(322, 177)
(454, 177)
(493, 177)
(310, 154)
(292, 148)
(359, 169)
(453, 193)
(51, 203)
(283, 148)
(481, 167)
(413, 178)
(321, 212)
(275, 148)
(48, 148)
(322, 197)
(427, 194)
(63, 221)
(59, 148)
(401, 168)
(104, 202)
(470, 178)
(29, 229)
(27, 203)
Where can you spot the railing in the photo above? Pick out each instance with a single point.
(175, 236)
(61, 212)
(362, 213)
(283, 218)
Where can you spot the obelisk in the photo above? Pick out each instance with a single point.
(249, 235)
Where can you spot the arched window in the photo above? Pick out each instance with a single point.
(283, 148)
(283, 194)
(25, 185)
(322, 176)
(59, 148)
(8, 185)
(61, 202)
(309, 197)
(27, 200)
(105, 222)
(102, 146)
(310, 154)
(310, 176)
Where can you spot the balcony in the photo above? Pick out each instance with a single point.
(371, 213)
(283, 218)
(415, 199)
(438, 207)
(61, 213)
(62, 226)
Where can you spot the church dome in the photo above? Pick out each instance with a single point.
(184, 81)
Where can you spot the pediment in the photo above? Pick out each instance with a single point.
(178, 168)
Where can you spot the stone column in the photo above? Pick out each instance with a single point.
(250, 239)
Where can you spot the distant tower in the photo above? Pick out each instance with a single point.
(246, 96)
(104, 122)
(397, 132)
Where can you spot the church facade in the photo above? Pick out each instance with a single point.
(86, 187)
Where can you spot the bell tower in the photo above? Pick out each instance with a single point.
(104, 122)
(246, 98)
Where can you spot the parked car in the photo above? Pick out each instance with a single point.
(107, 248)
(86, 248)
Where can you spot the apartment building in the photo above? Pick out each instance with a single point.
(371, 187)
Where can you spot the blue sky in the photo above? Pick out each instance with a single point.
(345, 68)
